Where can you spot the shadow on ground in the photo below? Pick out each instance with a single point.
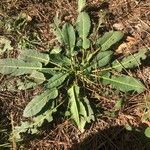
(114, 138)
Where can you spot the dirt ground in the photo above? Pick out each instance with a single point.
(107, 132)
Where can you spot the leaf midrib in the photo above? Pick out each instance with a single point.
(121, 64)
(45, 60)
(123, 83)
(18, 67)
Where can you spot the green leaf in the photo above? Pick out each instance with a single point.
(81, 5)
(24, 85)
(56, 50)
(130, 61)
(118, 105)
(33, 55)
(69, 36)
(73, 93)
(38, 102)
(86, 43)
(56, 80)
(47, 115)
(38, 77)
(109, 39)
(147, 132)
(101, 59)
(50, 71)
(83, 26)
(17, 67)
(80, 109)
(60, 60)
(123, 83)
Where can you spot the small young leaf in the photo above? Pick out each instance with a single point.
(33, 55)
(118, 105)
(38, 77)
(83, 26)
(69, 36)
(57, 30)
(131, 61)
(38, 102)
(124, 83)
(56, 80)
(81, 5)
(147, 132)
(56, 50)
(5, 44)
(17, 67)
(86, 43)
(24, 85)
(60, 60)
(109, 39)
(128, 127)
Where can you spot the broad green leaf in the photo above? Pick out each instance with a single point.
(130, 61)
(56, 80)
(109, 39)
(101, 59)
(5, 44)
(80, 109)
(69, 36)
(124, 83)
(38, 77)
(73, 93)
(83, 26)
(147, 132)
(33, 55)
(38, 102)
(17, 67)
(81, 5)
